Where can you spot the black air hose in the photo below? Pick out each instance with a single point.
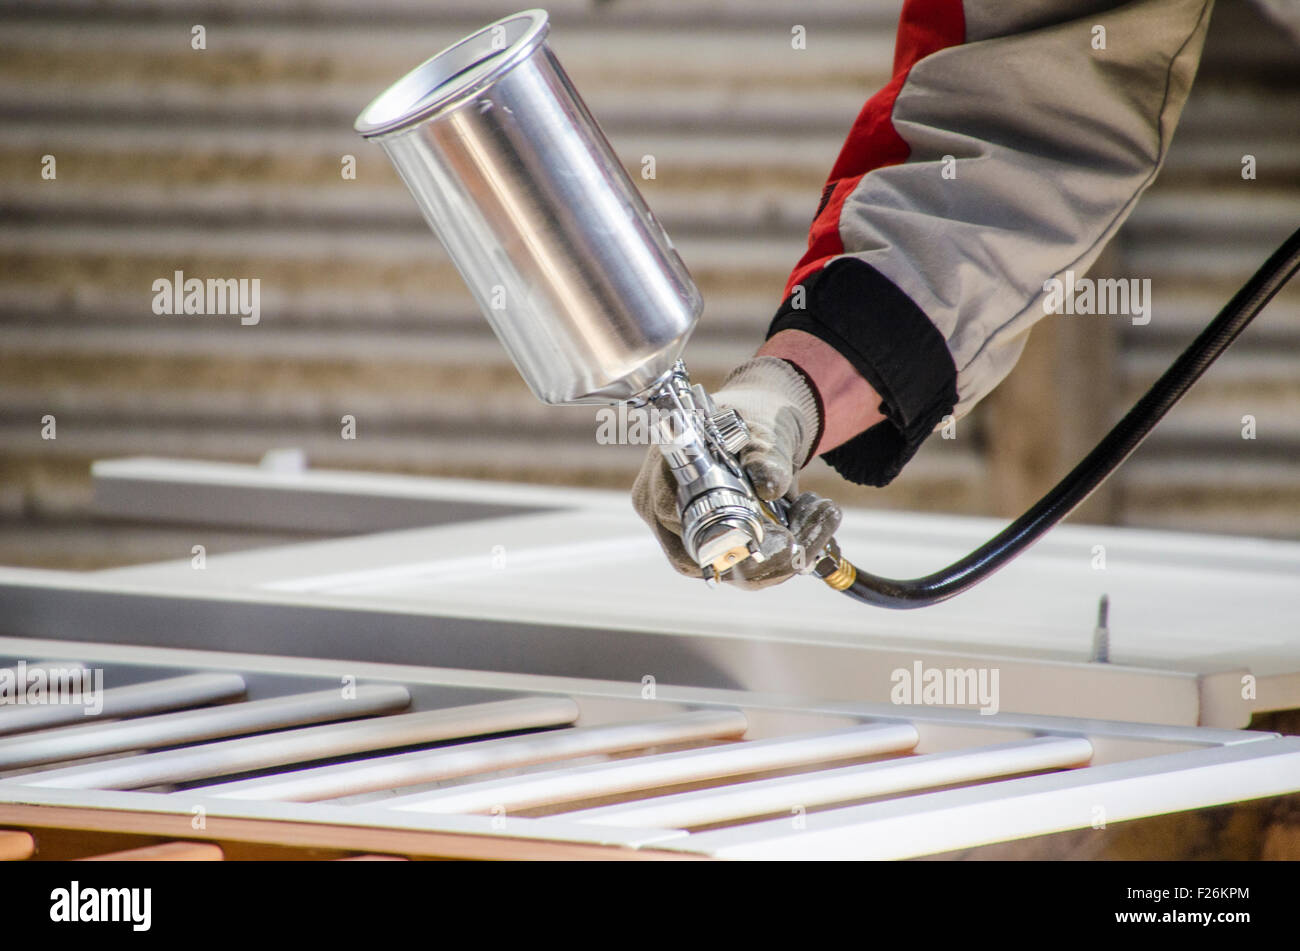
(1117, 445)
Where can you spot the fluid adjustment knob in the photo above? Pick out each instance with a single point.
(731, 429)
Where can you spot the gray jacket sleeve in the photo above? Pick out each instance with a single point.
(1012, 142)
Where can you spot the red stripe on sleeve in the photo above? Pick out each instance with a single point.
(924, 27)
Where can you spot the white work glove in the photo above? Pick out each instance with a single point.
(780, 409)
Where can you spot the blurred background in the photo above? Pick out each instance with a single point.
(226, 162)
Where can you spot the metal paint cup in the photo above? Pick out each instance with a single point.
(576, 276)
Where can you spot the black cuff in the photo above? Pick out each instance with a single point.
(892, 343)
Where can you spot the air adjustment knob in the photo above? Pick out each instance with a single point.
(731, 429)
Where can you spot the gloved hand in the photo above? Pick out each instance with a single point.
(780, 409)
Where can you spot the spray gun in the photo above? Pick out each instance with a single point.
(585, 291)
(576, 276)
(721, 515)
(722, 522)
